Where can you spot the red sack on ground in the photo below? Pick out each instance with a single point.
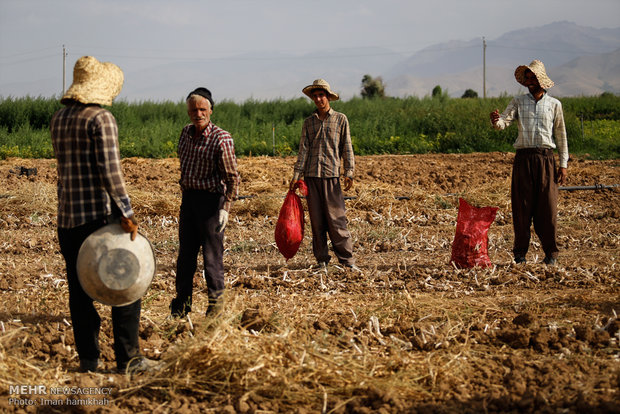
(290, 225)
(470, 244)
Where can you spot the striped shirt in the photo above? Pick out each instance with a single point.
(540, 124)
(90, 177)
(323, 144)
(208, 162)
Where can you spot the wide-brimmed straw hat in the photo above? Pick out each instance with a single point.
(94, 82)
(321, 84)
(538, 69)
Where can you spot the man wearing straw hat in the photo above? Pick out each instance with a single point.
(535, 178)
(210, 182)
(325, 143)
(91, 193)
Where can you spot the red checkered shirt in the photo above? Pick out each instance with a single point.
(208, 162)
(90, 177)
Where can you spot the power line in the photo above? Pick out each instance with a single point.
(30, 60)
(27, 53)
(575, 52)
(243, 58)
(166, 55)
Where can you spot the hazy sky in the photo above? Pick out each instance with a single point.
(140, 33)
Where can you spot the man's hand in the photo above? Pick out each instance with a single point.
(494, 117)
(222, 220)
(295, 178)
(130, 225)
(348, 183)
(291, 186)
(561, 176)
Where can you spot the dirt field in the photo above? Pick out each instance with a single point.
(410, 334)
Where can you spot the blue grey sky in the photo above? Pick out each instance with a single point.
(139, 34)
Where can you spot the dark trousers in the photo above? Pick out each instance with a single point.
(327, 216)
(534, 195)
(198, 220)
(84, 316)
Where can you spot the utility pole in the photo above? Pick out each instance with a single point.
(273, 138)
(64, 68)
(484, 67)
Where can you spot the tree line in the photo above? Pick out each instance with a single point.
(375, 88)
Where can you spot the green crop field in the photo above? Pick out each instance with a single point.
(378, 126)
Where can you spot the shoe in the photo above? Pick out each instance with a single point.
(214, 308)
(320, 265)
(89, 365)
(520, 259)
(550, 261)
(137, 365)
(180, 309)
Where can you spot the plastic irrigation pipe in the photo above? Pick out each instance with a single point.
(589, 187)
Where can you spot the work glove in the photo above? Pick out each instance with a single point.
(221, 221)
(130, 225)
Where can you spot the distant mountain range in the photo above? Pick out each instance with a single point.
(580, 60)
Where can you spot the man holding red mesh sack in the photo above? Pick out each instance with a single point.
(325, 141)
(290, 226)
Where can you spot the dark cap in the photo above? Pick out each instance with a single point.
(204, 92)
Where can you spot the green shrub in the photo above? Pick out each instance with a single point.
(378, 126)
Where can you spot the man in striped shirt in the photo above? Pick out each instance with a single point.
(209, 182)
(535, 178)
(91, 194)
(325, 143)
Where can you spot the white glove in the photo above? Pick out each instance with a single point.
(221, 221)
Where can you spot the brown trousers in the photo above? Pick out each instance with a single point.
(534, 196)
(327, 216)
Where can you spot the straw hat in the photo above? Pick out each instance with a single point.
(320, 84)
(538, 69)
(113, 269)
(94, 82)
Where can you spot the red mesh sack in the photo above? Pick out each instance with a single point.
(290, 225)
(470, 244)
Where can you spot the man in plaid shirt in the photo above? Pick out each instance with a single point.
(325, 142)
(210, 182)
(535, 178)
(91, 194)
